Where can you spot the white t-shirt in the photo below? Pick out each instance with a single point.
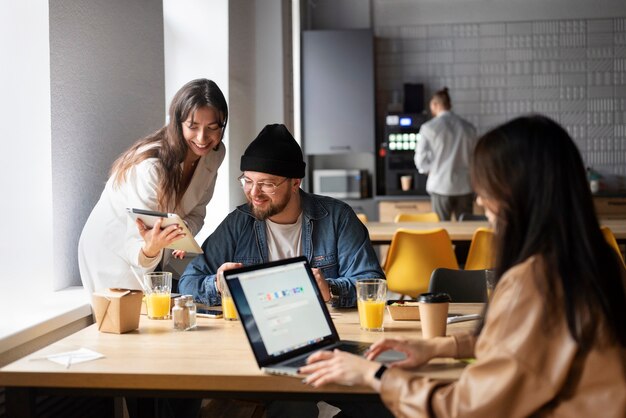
(284, 241)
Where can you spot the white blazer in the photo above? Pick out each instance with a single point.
(110, 242)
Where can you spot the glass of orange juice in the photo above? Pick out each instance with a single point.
(490, 282)
(371, 295)
(159, 284)
(228, 306)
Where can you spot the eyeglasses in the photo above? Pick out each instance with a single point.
(264, 186)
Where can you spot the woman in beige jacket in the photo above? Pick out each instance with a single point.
(553, 341)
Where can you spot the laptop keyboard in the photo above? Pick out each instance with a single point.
(299, 362)
(357, 349)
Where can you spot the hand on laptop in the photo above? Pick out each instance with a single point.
(418, 351)
(322, 283)
(220, 271)
(337, 366)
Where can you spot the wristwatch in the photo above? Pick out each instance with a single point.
(334, 291)
(379, 373)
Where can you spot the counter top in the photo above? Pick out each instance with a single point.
(402, 197)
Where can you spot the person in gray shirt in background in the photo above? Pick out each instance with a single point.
(443, 152)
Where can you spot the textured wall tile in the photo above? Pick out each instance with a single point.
(467, 56)
(521, 28)
(571, 70)
(466, 43)
(600, 25)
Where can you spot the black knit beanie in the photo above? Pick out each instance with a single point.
(274, 151)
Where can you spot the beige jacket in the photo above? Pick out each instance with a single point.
(523, 368)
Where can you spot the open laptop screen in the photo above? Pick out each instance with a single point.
(280, 308)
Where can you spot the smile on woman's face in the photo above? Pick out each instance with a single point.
(202, 130)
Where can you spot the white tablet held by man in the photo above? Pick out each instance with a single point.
(149, 217)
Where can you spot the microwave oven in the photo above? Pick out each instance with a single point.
(341, 184)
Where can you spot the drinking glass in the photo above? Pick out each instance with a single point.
(490, 282)
(228, 306)
(371, 295)
(159, 286)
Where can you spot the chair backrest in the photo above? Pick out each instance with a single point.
(417, 217)
(471, 217)
(610, 238)
(362, 217)
(481, 251)
(412, 257)
(463, 286)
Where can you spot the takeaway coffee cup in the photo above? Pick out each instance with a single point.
(433, 313)
(405, 182)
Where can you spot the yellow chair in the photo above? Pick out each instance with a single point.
(412, 257)
(481, 251)
(417, 217)
(362, 217)
(610, 238)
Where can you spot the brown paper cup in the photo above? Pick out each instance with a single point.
(405, 182)
(434, 314)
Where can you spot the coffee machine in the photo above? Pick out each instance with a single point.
(396, 154)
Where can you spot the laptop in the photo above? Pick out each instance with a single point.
(284, 315)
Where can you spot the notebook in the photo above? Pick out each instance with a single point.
(284, 315)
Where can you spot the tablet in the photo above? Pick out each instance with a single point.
(188, 243)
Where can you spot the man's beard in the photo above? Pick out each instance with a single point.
(273, 209)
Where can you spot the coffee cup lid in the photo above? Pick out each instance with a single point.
(434, 298)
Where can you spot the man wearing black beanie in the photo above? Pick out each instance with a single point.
(280, 221)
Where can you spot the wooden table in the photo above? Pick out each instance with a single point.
(381, 233)
(213, 361)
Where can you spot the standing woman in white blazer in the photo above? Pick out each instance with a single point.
(172, 170)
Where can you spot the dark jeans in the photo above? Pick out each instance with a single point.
(445, 206)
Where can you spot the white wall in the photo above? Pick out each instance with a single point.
(196, 46)
(242, 80)
(106, 78)
(269, 72)
(25, 165)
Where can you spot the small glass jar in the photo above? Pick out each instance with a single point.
(180, 314)
(192, 311)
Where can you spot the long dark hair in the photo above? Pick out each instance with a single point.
(533, 170)
(168, 144)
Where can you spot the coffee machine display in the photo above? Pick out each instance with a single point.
(397, 152)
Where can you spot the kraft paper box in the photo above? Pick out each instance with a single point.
(401, 310)
(117, 310)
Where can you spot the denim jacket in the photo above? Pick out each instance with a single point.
(333, 240)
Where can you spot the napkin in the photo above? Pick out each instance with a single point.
(72, 357)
